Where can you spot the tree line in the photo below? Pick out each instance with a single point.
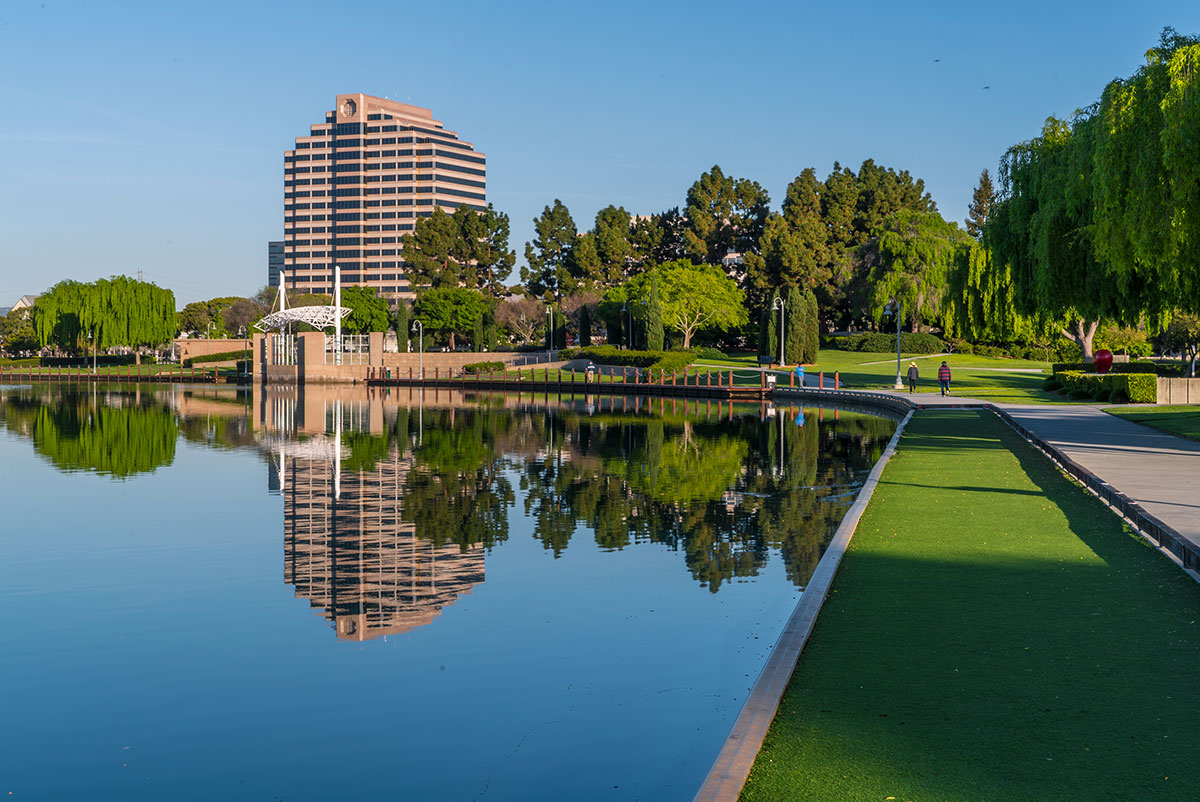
(1097, 219)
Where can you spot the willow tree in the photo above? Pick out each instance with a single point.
(125, 311)
(1041, 231)
(1147, 178)
(916, 253)
(56, 315)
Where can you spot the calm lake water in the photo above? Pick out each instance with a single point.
(336, 594)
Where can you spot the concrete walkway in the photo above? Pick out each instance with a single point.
(1159, 471)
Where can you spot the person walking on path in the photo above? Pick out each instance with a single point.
(944, 378)
(913, 375)
(799, 375)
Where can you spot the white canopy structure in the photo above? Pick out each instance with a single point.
(319, 317)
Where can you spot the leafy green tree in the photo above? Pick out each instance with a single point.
(724, 214)
(981, 204)
(450, 311)
(16, 332)
(688, 298)
(1182, 334)
(368, 312)
(547, 274)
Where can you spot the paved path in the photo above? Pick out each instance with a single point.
(1160, 471)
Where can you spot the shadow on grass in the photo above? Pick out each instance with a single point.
(1014, 643)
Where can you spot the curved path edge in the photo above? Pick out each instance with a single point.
(732, 766)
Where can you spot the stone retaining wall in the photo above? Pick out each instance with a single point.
(1178, 391)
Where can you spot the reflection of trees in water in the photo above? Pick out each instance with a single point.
(721, 492)
(456, 491)
(120, 439)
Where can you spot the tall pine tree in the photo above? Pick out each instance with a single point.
(981, 205)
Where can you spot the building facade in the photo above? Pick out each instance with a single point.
(274, 262)
(359, 181)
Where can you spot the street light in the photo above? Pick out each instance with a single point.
(550, 335)
(779, 304)
(893, 308)
(420, 346)
(94, 343)
(629, 329)
(245, 348)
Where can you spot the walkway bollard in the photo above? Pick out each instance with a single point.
(836, 381)
(792, 379)
(821, 380)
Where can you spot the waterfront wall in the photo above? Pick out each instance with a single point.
(188, 347)
(307, 363)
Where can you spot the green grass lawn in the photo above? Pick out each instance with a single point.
(993, 633)
(1181, 420)
(985, 378)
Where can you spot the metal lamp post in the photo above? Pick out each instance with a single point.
(893, 307)
(629, 329)
(779, 304)
(245, 348)
(550, 335)
(93, 342)
(418, 325)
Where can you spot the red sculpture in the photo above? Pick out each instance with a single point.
(1102, 360)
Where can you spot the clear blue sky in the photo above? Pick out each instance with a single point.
(150, 135)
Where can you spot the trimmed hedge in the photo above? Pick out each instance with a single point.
(611, 355)
(221, 356)
(1120, 388)
(881, 343)
(1168, 369)
(483, 367)
(103, 360)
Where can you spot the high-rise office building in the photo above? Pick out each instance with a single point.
(358, 182)
(274, 262)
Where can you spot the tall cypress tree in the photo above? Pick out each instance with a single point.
(795, 336)
(585, 326)
(772, 349)
(402, 326)
(812, 328)
(654, 318)
(764, 325)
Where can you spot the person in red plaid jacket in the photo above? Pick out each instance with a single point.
(944, 378)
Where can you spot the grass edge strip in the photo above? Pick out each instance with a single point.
(731, 768)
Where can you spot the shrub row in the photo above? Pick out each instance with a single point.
(109, 360)
(611, 355)
(1119, 388)
(221, 356)
(1060, 351)
(880, 343)
(483, 367)
(1167, 369)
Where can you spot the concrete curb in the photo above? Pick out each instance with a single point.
(732, 766)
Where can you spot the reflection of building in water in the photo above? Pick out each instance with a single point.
(356, 559)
